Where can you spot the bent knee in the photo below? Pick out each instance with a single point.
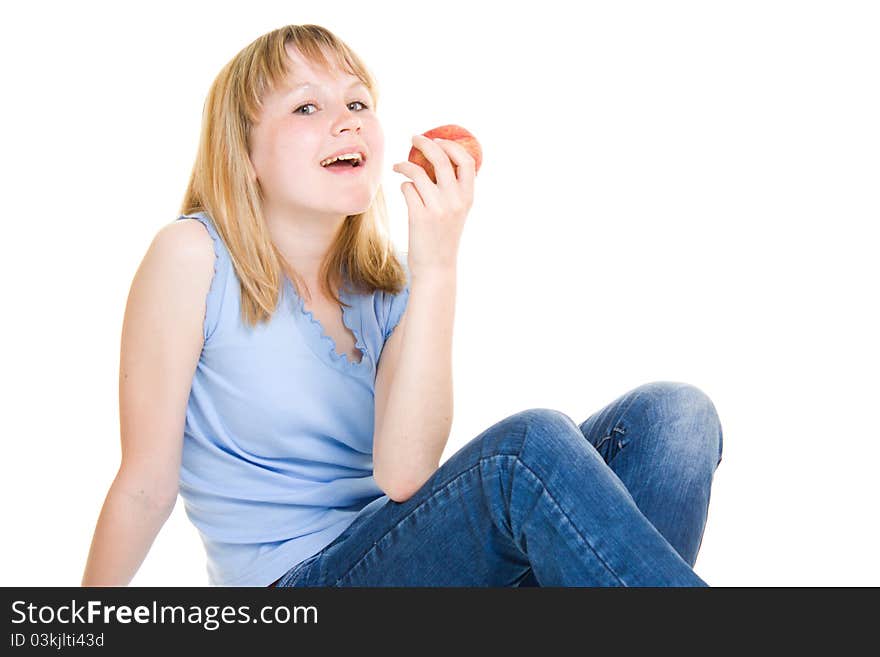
(664, 400)
(674, 397)
(553, 435)
(548, 421)
(539, 426)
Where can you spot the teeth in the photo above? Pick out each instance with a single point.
(345, 156)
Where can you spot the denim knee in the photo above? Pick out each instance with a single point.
(663, 399)
(510, 434)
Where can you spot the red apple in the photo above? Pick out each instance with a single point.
(452, 132)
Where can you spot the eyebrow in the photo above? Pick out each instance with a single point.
(357, 83)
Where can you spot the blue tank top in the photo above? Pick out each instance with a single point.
(278, 443)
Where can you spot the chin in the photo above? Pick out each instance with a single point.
(351, 213)
(362, 204)
(347, 211)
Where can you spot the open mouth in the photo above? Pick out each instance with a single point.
(344, 169)
(344, 165)
(344, 162)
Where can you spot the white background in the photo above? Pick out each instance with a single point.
(681, 191)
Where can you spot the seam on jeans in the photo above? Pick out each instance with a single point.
(573, 526)
(292, 572)
(412, 511)
(626, 410)
(522, 444)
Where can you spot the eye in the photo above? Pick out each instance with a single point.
(297, 110)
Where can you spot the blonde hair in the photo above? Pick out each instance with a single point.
(222, 183)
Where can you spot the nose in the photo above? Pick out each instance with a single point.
(349, 122)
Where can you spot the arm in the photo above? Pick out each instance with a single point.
(414, 397)
(129, 522)
(162, 337)
(417, 418)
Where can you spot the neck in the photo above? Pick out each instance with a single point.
(303, 243)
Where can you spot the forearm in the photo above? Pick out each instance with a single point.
(418, 414)
(126, 528)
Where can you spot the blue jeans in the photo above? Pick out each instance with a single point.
(536, 500)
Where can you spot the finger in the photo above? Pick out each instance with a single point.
(413, 200)
(425, 186)
(464, 162)
(437, 156)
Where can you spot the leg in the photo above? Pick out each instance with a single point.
(663, 440)
(528, 494)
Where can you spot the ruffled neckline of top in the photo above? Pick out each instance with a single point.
(341, 361)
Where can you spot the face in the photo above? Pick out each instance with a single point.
(298, 128)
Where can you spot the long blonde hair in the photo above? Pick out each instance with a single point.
(222, 182)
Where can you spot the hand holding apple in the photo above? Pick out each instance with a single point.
(454, 133)
(438, 197)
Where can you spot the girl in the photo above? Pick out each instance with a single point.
(290, 377)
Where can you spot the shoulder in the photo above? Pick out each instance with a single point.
(171, 282)
(183, 251)
(186, 238)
